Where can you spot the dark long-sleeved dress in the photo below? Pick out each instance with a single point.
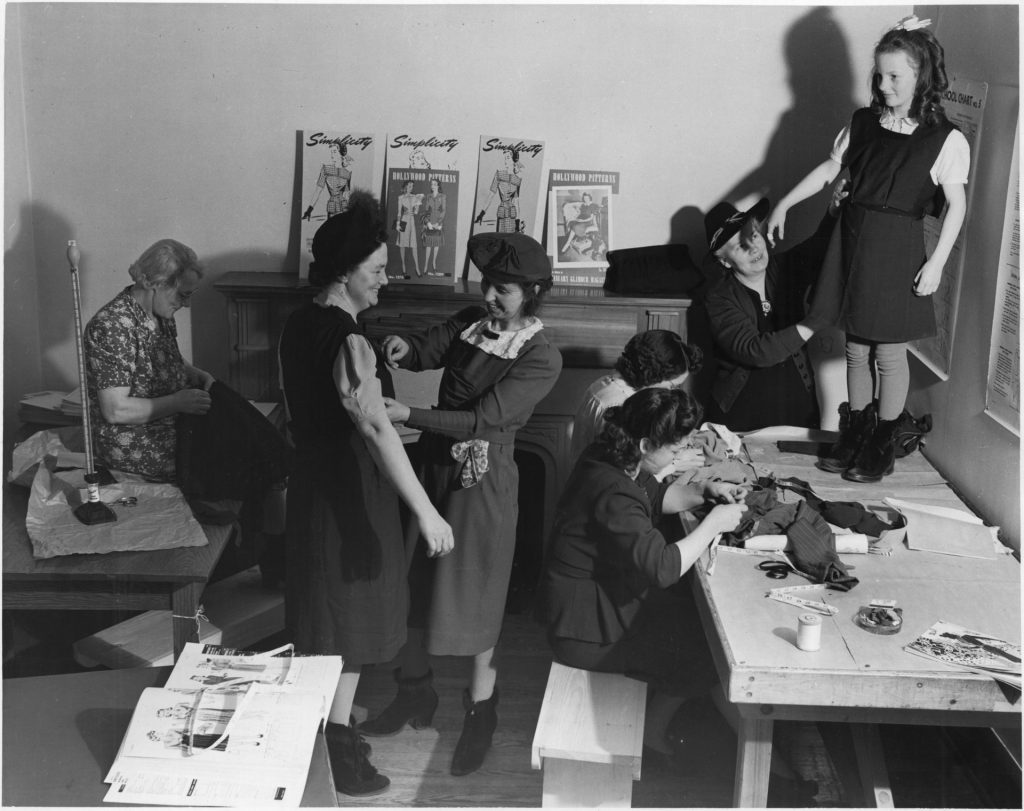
(764, 374)
(611, 594)
(488, 391)
(347, 592)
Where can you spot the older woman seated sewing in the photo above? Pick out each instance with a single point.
(611, 580)
(138, 381)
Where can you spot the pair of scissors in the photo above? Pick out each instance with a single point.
(775, 569)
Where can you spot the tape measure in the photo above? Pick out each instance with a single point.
(760, 553)
(786, 595)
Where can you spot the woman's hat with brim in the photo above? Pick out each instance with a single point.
(724, 221)
(509, 258)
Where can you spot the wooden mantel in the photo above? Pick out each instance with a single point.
(588, 325)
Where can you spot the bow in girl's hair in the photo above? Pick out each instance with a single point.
(911, 23)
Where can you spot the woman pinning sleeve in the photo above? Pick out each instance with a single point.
(498, 364)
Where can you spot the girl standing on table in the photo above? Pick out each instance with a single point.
(611, 592)
(904, 157)
(347, 593)
(498, 364)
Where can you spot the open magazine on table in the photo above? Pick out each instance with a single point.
(970, 650)
(229, 728)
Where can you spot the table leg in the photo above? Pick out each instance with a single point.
(753, 761)
(184, 606)
(874, 777)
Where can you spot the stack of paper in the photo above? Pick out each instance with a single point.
(962, 648)
(230, 728)
(71, 403)
(46, 408)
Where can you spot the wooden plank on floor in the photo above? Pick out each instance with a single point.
(240, 610)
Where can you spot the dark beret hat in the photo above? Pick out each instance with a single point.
(723, 221)
(346, 239)
(509, 258)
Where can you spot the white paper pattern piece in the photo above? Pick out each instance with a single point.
(947, 531)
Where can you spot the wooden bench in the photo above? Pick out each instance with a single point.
(589, 738)
(241, 612)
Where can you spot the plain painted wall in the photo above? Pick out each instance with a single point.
(979, 457)
(128, 122)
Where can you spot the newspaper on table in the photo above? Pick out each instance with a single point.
(965, 649)
(230, 728)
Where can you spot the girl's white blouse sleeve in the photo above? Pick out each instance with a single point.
(839, 146)
(954, 161)
(355, 377)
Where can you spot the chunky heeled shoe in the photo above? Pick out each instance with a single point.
(415, 704)
(477, 731)
(349, 755)
(854, 429)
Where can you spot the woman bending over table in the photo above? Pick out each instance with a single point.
(656, 358)
(610, 594)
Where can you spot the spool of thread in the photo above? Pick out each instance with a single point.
(808, 632)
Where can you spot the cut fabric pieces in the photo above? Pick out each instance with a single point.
(814, 550)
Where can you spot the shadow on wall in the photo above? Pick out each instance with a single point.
(36, 270)
(212, 343)
(823, 84)
(822, 81)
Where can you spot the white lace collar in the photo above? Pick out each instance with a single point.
(506, 345)
(889, 121)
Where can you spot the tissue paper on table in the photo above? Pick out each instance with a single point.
(947, 531)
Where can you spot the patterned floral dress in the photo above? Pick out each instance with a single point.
(126, 347)
(338, 181)
(507, 184)
(432, 210)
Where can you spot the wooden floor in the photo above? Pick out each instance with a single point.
(928, 768)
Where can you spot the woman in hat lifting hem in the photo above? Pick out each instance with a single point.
(756, 314)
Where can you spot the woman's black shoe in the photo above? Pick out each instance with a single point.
(415, 704)
(353, 773)
(477, 730)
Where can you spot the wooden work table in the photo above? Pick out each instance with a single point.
(128, 581)
(857, 677)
